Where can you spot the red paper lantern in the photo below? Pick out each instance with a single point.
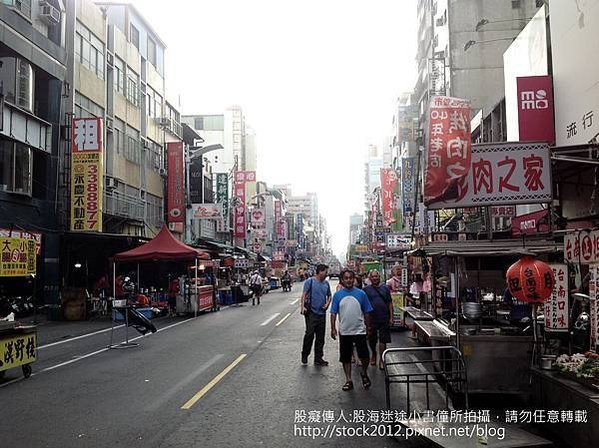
(530, 280)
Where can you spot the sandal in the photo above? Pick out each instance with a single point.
(348, 386)
(365, 381)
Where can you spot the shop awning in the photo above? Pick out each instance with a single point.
(487, 248)
(163, 246)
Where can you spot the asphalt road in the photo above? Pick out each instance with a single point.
(230, 378)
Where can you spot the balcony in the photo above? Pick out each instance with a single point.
(123, 205)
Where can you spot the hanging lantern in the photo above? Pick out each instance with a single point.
(530, 280)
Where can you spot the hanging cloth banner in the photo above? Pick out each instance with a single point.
(449, 148)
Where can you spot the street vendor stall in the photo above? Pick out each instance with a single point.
(165, 247)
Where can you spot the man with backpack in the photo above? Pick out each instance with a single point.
(382, 317)
(314, 303)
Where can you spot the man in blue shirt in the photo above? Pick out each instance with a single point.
(314, 303)
(382, 317)
(353, 308)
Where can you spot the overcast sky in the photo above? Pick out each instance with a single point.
(317, 80)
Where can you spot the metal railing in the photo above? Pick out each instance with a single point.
(451, 371)
(123, 205)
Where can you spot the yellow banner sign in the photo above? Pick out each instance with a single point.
(86, 175)
(17, 350)
(17, 257)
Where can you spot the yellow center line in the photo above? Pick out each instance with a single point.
(212, 383)
(283, 320)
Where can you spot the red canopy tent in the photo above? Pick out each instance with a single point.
(163, 246)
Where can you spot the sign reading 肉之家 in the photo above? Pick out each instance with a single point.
(17, 257)
(504, 173)
(87, 175)
(556, 307)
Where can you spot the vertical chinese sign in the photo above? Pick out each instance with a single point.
(17, 257)
(176, 185)
(449, 148)
(280, 228)
(241, 179)
(408, 184)
(388, 186)
(593, 307)
(87, 174)
(535, 109)
(222, 197)
(556, 307)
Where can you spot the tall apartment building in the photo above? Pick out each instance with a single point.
(460, 49)
(356, 222)
(33, 71)
(229, 130)
(115, 71)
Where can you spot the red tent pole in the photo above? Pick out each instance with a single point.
(197, 297)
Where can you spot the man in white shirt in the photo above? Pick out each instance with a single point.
(256, 287)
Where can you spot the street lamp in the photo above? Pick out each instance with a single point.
(483, 22)
(470, 43)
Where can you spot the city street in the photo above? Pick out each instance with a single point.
(91, 396)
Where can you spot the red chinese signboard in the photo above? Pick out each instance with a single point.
(239, 215)
(504, 173)
(245, 176)
(531, 223)
(449, 148)
(535, 109)
(176, 183)
(87, 175)
(388, 185)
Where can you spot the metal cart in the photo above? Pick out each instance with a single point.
(18, 347)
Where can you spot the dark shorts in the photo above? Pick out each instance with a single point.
(256, 289)
(346, 347)
(380, 333)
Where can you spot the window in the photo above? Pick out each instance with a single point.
(18, 80)
(515, 4)
(119, 73)
(119, 135)
(134, 36)
(153, 103)
(89, 50)
(84, 107)
(23, 6)
(15, 167)
(175, 117)
(155, 211)
(152, 52)
(132, 87)
(154, 155)
(133, 147)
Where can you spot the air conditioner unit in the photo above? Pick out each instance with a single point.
(111, 183)
(110, 59)
(164, 121)
(109, 124)
(50, 15)
(162, 171)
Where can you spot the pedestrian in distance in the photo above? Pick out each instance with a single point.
(256, 287)
(352, 307)
(315, 301)
(382, 317)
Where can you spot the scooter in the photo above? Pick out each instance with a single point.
(286, 285)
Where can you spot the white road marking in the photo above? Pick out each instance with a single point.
(270, 319)
(88, 355)
(78, 337)
(283, 320)
(295, 301)
(162, 399)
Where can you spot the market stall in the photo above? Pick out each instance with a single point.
(165, 247)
